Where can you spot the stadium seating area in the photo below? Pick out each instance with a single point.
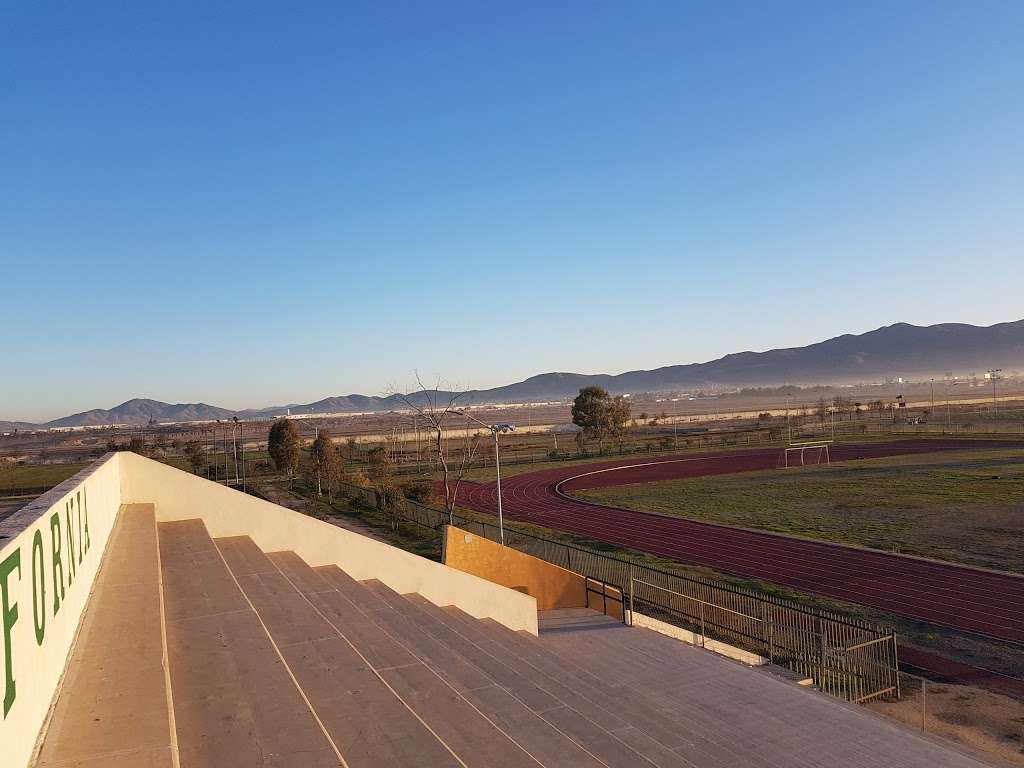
(272, 662)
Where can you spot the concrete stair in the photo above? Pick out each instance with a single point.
(274, 663)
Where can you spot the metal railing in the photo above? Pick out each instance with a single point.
(607, 592)
(846, 657)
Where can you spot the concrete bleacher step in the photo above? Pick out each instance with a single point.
(605, 686)
(364, 718)
(591, 724)
(234, 700)
(413, 699)
(383, 632)
(112, 708)
(704, 695)
(690, 692)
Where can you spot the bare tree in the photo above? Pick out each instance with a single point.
(437, 409)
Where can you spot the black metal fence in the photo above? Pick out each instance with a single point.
(851, 659)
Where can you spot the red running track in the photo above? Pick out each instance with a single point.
(962, 598)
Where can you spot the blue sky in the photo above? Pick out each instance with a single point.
(274, 202)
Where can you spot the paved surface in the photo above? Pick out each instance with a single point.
(109, 712)
(274, 663)
(779, 725)
(965, 599)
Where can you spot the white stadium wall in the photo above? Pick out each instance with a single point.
(180, 495)
(48, 561)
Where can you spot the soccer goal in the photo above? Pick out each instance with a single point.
(804, 454)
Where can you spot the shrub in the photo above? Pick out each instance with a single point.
(420, 491)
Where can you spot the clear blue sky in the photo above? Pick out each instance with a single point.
(274, 202)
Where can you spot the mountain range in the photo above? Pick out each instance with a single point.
(895, 350)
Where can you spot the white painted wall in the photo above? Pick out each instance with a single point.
(695, 638)
(180, 495)
(91, 498)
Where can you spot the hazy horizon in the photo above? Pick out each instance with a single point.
(253, 206)
(412, 385)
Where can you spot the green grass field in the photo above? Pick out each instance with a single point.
(966, 507)
(36, 476)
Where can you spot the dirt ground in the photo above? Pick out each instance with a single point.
(987, 722)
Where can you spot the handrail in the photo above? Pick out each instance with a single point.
(716, 606)
(621, 599)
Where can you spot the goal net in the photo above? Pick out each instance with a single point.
(805, 454)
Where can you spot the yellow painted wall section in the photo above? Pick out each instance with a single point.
(553, 587)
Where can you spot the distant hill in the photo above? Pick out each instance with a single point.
(896, 350)
(903, 350)
(140, 411)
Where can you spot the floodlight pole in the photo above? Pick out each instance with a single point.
(495, 430)
(497, 471)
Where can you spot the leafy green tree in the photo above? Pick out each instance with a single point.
(588, 412)
(379, 464)
(196, 456)
(599, 415)
(324, 459)
(616, 418)
(382, 480)
(421, 491)
(283, 447)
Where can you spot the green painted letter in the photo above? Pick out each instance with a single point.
(85, 502)
(10, 617)
(38, 587)
(79, 505)
(58, 583)
(71, 539)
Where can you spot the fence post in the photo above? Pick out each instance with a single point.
(821, 653)
(924, 703)
(896, 663)
(568, 557)
(630, 597)
(703, 635)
